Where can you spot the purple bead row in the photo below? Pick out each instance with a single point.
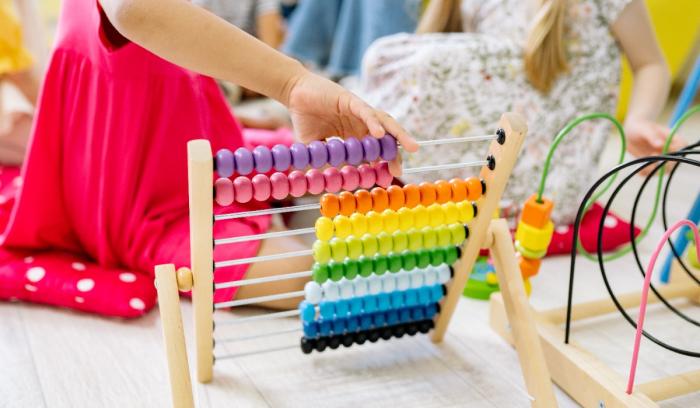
(299, 156)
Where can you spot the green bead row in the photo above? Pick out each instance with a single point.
(380, 264)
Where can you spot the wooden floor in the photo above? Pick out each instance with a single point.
(58, 358)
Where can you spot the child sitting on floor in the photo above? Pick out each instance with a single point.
(104, 197)
(550, 60)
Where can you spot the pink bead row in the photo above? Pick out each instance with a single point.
(297, 183)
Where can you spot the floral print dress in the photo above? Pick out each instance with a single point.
(458, 84)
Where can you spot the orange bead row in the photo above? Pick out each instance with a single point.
(395, 197)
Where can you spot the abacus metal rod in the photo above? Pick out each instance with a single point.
(255, 336)
(266, 316)
(263, 258)
(266, 235)
(307, 207)
(252, 353)
(464, 139)
(273, 278)
(279, 210)
(446, 166)
(259, 299)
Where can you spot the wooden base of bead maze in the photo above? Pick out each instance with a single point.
(484, 232)
(587, 379)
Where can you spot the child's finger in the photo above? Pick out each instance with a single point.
(368, 116)
(396, 166)
(392, 126)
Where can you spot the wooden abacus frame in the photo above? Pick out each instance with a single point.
(583, 376)
(484, 233)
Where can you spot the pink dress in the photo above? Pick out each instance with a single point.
(104, 196)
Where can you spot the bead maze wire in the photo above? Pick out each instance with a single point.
(620, 130)
(642, 163)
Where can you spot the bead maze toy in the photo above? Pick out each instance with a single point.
(389, 262)
(576, 370)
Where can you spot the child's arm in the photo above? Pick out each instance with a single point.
(191, 37)
(635, 33)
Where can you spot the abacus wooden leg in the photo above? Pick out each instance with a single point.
(200, 175)
(176, 352)
(583, 376)
(520, 317)
(504, 156)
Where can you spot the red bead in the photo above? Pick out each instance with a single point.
(351, 178)
(315, 181)
(297, 183)
(368, 177)
(333, 179)
(384, 177)
(280, 186)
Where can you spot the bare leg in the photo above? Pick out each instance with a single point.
(269, 268)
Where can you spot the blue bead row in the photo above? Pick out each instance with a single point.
(367, 321)
(381, 302)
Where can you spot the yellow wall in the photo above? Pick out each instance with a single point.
(677, 25)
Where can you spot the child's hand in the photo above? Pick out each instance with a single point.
(647, 138)
(320, 108)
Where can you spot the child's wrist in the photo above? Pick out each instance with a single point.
(295, 72)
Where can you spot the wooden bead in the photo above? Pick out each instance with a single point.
(415, 239)
(405, 218)
(397, 198)
(428, 193)
(333, 180)
(408, 259)
(536, 214)
(474, 189)
(370, 246)
(342, 226)
(436, 215)
(365, 265)
(243, 189)
(390, 219)
(363, 201)
(336, 271)
(375, 223)
(459, 189)
(437, 256)
(351, 178)
(359, 224)
(320, 272)
(395, 262)
(527, 253)
(330, 205)
(223, 191)
(534, 239)
(352, 266)
(458, 234)
(297, 183)
(322, 251)
(384, 176)
(380, 199)
(368, 177)
(429, 237)
(400, 241)
(529, 267)
(466, 211)
(354, 245)
(324, 228)
(386, 244)
(347, 203)
(315, 181)
(262, 188)
(411, 194)
(313, 292)
(184, 279)
(444, 236)
(422, 258)
(451, 255)
(280, 186)
(421, 217)
(451, 212)
(339, 249)
(444, 191)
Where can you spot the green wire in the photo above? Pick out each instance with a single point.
(577, 121)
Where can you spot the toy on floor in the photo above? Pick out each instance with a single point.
(585, 378)
(390, 260)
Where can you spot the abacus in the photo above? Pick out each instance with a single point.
(389, 261)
